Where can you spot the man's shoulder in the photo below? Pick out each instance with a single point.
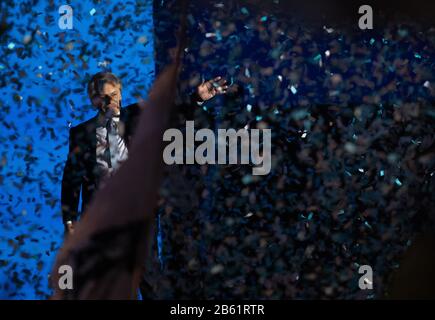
(84, 126)
(131, 108)
(131, 113)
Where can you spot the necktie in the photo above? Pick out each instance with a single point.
(112, 143)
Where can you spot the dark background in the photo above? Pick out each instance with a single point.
(352, 141)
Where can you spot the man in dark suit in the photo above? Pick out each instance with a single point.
(99, 146)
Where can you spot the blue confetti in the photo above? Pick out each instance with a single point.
(247, 73)
(92, 12)
(251, 90)
(218, 35)
(398, 182)
(244, 11)
(247, 179)
(402, 32)
(317, 57)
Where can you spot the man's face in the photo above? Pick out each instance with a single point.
(109, 99)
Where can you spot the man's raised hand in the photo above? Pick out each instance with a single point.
(211, 88)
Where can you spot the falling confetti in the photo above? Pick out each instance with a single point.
(43, 76)
(351, 156)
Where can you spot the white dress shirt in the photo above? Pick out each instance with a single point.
(116, 146)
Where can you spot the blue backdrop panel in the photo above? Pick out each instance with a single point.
(43, 76)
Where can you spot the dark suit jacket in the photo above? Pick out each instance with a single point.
(78, 174)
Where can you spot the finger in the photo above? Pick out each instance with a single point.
(213, 82)
(220, 90)
(222, 82)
